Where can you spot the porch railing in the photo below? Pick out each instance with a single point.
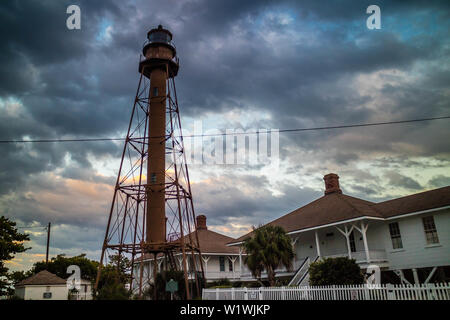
(246, 273)
(360, 256)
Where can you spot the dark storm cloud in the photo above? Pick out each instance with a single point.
(439, 181)
(47, 70)
(247, 198)
(398, 180)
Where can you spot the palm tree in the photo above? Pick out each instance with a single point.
(268, 249)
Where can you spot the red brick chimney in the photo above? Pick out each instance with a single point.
(332, 183)
(201, 223)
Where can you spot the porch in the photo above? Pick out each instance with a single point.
(352, 239)
(376, 256)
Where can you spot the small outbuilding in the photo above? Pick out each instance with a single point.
(48, 286)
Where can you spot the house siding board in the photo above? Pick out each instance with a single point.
(376, 233)
(59, 292)
(415, 252)
(305, 246)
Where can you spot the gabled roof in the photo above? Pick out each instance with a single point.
(210, 242)
(427, 200)
(42, 278)
(336, 207)
(213, 242)
(328, 209)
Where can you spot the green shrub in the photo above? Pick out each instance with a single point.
(335, 271)
(221, 282)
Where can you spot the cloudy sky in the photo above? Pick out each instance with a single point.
(243, 64)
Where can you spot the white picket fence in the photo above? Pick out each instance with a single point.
(431, 291)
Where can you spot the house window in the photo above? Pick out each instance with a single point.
(47, 295)
(222, 263)
(230, 265)
(396, 238)
(430, 230)
(351, 239)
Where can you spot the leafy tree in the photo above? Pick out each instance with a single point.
(335, 271)
(11, 243)
(59, 265)
(161, 279)
(111, 285)
(121, 262)
(268, 249)
(114, 276)
(16, 276)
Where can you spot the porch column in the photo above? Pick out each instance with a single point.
(159, 264)
(233, 260)
(317, 244)
(363, 230)
(430, 275)
(416, 276)
(240, 261)
(205, 260)
(346, 234)
(347, 238)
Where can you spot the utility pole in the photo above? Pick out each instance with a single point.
(48, 242)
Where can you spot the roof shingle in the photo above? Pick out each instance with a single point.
(416, 202)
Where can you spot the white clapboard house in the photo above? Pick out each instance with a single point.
(45, 285)
(408, 238)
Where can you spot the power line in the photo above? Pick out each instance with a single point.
(239, 133)
(328, 127)
(63, 140)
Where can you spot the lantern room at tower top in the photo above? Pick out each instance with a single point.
(159, 52)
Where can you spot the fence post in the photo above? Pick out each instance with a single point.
(366, 292)
(390, 291)
(245, 293)
(431, 291)
(232, 294)
(260, 293)
(217, 293)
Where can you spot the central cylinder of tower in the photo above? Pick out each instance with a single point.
(156, 218)
(159, 65)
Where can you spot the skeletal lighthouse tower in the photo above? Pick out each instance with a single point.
(152, 214)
